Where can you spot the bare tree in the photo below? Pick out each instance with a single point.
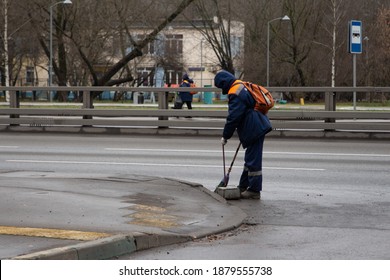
(334, 20)
(94, 41)
(256, 14)
(382, 53)
(17, 44)
(90, 28)
(216, 26)
(106, 79)
(305, 21)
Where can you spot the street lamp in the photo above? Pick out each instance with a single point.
(201, 62)
(285, 18)
(5, 46)
(51, 41)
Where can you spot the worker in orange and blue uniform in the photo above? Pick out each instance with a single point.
(251, 126)
(184, 96)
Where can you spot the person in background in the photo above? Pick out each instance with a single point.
(184, 96)
(251, 126)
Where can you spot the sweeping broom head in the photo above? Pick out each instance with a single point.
(227, 192)
(223, 183)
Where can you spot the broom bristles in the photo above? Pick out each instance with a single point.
(223, 183)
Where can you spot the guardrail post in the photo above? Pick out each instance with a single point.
(330, 101)
(87, 102)
(163, 105)
(14, 102)
(330, 105)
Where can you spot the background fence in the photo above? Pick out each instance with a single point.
(161, 117)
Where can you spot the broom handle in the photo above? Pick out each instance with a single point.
(224, 165)
(234, 158)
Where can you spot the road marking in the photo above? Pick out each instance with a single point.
(328, 154)
(147, 164)
(9, 147)
(216, 151)
(53, 233)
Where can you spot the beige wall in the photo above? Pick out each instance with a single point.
(198, 53)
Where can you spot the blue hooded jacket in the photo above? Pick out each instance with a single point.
(186, 95)
(250, 124)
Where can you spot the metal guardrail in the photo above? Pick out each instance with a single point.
(327, 120)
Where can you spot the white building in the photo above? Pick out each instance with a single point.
(182, 48)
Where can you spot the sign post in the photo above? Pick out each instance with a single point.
(355, 46)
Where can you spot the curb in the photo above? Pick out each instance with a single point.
(106, 248)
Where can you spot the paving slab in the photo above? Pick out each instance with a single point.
(65, 216)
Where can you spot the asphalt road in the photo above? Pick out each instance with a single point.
(308, 184)
(287, 162)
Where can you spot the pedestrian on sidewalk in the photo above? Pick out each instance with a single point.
(184, 96)
(251, 126)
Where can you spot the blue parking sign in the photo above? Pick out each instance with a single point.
(355, 37)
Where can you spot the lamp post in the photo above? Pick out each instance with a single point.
(285, 18)
(6, 68)
(201, 63)
(5, 38)
(51, 41)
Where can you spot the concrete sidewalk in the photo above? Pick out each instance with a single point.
(62, 216)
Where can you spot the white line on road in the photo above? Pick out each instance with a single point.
(329, 154)
(147, 164)
(9, 147)
(216, 151)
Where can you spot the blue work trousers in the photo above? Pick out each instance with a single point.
(252, 175)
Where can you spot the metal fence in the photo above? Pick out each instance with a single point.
(161, 117)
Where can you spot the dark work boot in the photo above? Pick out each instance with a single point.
(242, 189)
(250, 195)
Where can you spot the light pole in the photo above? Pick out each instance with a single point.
(5, 38)
(51, 41)
(6, 68)
(285, 18)
(201, 63)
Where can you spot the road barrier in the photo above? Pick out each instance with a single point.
(164, 118)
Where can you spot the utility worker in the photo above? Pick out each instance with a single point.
(251, 125)
(184, 96)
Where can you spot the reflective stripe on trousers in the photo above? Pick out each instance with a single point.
(252, 175)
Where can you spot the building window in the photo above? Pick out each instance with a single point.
(30, 75)
(173, 77)
(150, 48)
(174, 44)
(145, 76)
(171, 44)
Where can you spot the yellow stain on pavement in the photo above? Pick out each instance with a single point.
(153, 216)
(53, 233)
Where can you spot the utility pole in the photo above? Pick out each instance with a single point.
(5, 40)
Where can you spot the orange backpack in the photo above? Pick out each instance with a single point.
(193, 85)
(263, 98)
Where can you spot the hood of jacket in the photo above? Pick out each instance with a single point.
(224, 80)
(185, 76)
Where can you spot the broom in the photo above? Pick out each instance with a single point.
(224, 182)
